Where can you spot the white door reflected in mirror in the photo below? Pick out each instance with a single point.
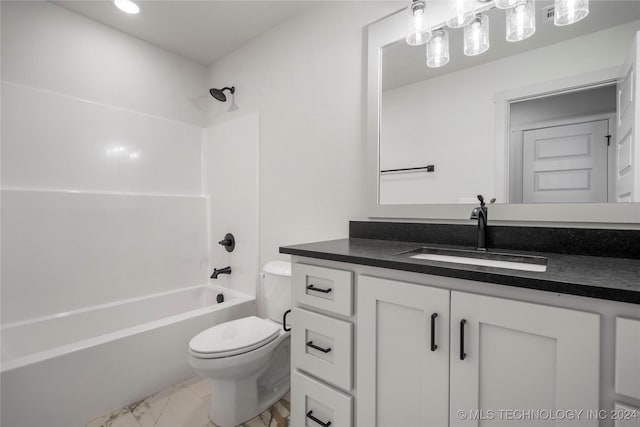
(565, 163)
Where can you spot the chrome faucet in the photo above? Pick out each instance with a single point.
(480, 213)
(226, 270)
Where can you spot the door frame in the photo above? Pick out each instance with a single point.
(517, 137)
(503, 101)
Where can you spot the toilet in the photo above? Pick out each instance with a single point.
(247, 360)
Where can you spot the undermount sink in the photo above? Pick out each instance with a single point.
(486, 259)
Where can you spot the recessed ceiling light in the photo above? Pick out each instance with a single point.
(127, 6)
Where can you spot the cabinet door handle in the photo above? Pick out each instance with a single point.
(463, 355)
(433, 332)
(311, 417)
(324, 350)
(313, 288)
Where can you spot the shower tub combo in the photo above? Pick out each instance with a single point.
(65, 369)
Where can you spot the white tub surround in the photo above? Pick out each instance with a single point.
(102, 197)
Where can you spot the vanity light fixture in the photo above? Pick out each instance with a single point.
(438, 49)
(127, 6)
(521, 21)
(507, 4)
(462, 12)
(569, 12)
(418, 30)
(476, 35)
(520, 24)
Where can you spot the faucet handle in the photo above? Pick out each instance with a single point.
(481, 199)
(229, 242)
(474, 213)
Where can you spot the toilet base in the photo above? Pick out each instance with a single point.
(230, 410)
(240, 393)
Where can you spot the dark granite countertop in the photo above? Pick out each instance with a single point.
(616, 279)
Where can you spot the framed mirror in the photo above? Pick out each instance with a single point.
(533, 124)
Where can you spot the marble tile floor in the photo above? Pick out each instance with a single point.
(185, 404)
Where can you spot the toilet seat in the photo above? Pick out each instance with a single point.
(233, 338)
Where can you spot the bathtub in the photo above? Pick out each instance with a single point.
(66, 369)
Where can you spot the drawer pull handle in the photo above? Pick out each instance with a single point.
(311, 417)
(463, 355)
(313, 288)
(433, 332)
(312, 345)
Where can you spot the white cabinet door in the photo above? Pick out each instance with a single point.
(508, 357)
(628, 357)
(625, 415)
(403, 363)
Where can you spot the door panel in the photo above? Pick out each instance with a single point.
(393, 336)
(502, 354)
(401, 382)
(565, 164)
(521, 356)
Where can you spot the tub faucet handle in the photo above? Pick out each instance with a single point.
(229, 242)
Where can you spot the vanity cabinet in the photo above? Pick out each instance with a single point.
(425, 353)
(415, 349)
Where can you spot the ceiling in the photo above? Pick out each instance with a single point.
(202, 31)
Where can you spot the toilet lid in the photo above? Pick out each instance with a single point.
(234, 337)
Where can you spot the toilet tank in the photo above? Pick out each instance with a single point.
(277, 289)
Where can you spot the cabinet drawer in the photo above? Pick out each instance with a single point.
(322, 346)
(314, 404)
(627, 357)
(324, 288)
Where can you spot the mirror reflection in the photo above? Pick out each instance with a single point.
(533, 121)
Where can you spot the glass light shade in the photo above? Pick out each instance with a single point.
(476, 35)
(569, 12)
(461, 12)
(507, 4)
(438, 49)
(418, 31)
(521, 21)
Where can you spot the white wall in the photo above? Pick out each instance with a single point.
(590, 102)
(51, 48)
(101, 164)
(306, 77)
(449, 120)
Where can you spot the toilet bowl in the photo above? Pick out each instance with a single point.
(247, 360)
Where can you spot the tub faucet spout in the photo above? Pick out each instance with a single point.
(226, 270)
